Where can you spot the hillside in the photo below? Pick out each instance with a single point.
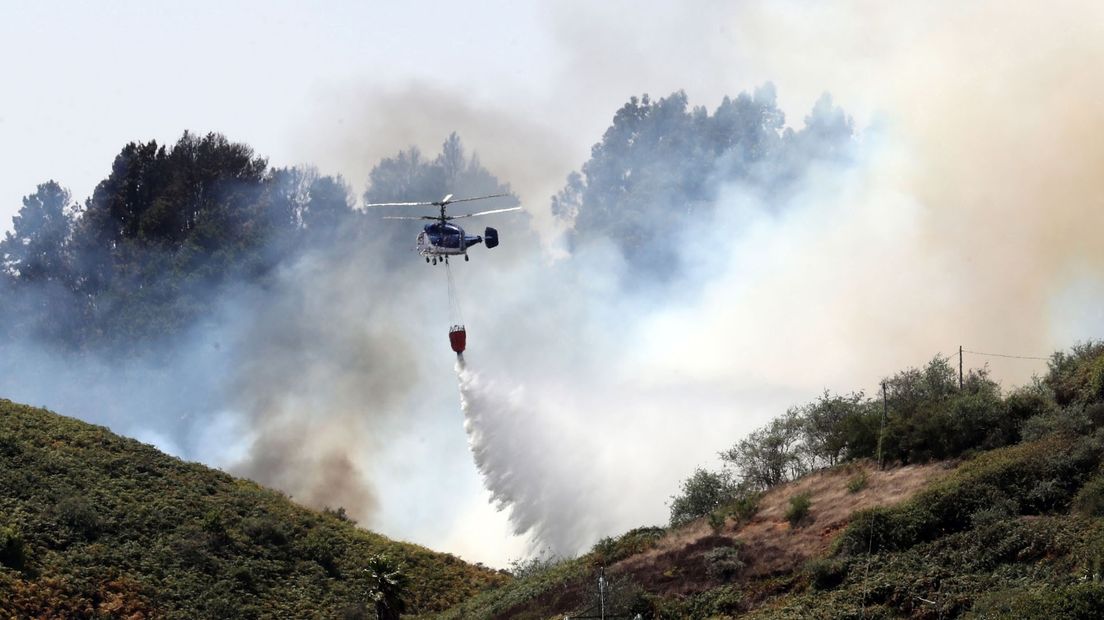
(1010, 533)
(657, 569)
(99, 526)
(990, 506)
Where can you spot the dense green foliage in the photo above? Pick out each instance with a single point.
(95, 525)
(1029, 479)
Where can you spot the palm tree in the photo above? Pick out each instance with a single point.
(388, 586)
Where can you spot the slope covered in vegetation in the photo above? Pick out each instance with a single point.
(989, 505)
(668, 572)
(96, 525)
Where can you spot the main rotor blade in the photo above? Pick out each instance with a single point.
(402, 204)
(476, 198)
(455, 217)
(410, 217)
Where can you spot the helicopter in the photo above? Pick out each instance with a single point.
(441, 238)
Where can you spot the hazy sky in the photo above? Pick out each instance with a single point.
(327, 82)
(83, 78)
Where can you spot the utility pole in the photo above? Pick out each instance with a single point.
(602, 591)
(959, 368)
(881, 433)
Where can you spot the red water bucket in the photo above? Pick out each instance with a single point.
(458, 338)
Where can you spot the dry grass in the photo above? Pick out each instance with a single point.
(771, 545)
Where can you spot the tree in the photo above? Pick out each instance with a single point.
(35, 249)
(411, 177)
(661, 164)
(829, 427)
(1077, 377)
(328, 205)
(931, 417)
(771, 455)
(388, 586)
(566, 202)
(702, 493)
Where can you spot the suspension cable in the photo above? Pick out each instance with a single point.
(456, 317)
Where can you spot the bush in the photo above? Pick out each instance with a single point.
(799, 508)
(745, 506)
(78, 515)
(1006, 477)
(1071, 421)
(932, 418)
(610, 550)
(858, 482)
(266, 529)
(322, 546)
(1083, 600)
(723, 602)
(825, 574)
(723, 563)
(1089, 501)
(1078, 376)
(13, 551)
(994, 514)
(702, 493)
(716, 521)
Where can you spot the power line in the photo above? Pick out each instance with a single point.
(1017, 357)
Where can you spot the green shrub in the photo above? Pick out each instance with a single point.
(716, 521)
(76, 513)
(702, 493)
(1017, 476)
(1071, 602)
(799, 508)
(1078, 376)
(1089, 501)
(723, 563)
(13, 551)
(322, 546)
(724, 601)
(858, 482)
(745, 506)
(998, 512)
(826, 573)
(1071, 421)
(266, 529)
(1093, 557)
(610, 550)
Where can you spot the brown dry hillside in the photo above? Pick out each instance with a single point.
(770, 544)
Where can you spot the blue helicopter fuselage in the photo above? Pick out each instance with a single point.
(442, 239)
